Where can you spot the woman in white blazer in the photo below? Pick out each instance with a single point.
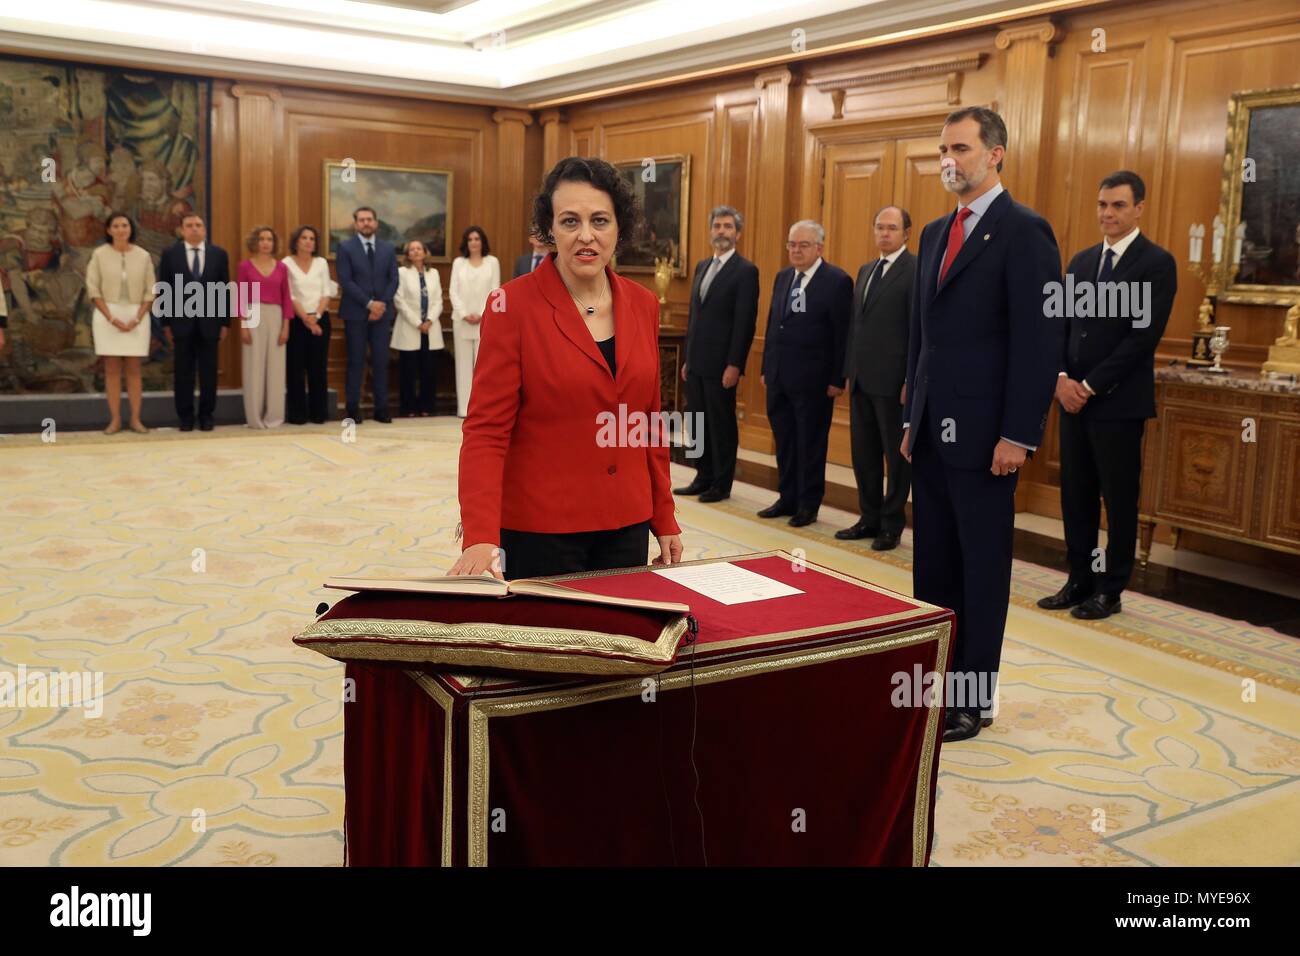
(474, 275)
(416, 332)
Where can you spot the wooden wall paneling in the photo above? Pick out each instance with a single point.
(223, 215)
(511, 198)
(738, 183)
(1226, 49)
(775, 89)
(1025, 102)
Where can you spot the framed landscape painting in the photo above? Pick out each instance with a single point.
(409, 203)
(662, 185)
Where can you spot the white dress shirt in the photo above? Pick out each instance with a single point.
(203, 256)
(889, 261)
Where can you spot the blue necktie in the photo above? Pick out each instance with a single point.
(194, 262)
(1107, 266)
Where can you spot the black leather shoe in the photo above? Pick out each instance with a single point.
(1097, 607)
(1068, 596)
(854, 532)
(713, 494)
(885, 541)
(187, 425)
(777, 510)
(384, 419)
(205, 424)
(694, 488)
(802, 518)
(959, 725)
(355, 415)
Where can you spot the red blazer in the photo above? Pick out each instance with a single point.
(530, 459)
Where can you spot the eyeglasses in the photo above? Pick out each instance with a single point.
(801, 246)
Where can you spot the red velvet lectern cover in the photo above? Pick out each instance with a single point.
(774, 739)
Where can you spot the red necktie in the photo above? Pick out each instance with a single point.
(956, 236)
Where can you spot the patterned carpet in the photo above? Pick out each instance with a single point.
(179, 567)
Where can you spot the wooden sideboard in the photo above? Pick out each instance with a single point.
(1223, 458)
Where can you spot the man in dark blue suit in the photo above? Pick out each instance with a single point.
(1106, 388)
(367, 269)
(981, 370)
(803, 369)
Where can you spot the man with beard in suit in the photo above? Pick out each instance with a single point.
(874, 372)
(982, 360)
(719, 332)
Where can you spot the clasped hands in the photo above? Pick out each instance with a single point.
(1071, 394)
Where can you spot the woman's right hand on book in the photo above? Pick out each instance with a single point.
(479, 559)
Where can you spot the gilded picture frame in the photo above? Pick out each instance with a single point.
(663, 187)
(410, 202)
(1262, 187)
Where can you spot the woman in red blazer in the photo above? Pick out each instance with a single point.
(564, 462)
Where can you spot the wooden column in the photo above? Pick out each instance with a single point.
(511, 214)
(1028, 46)
(258, 188)
(555, 142)
(766, 234)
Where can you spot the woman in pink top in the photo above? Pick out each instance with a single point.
(264, 329)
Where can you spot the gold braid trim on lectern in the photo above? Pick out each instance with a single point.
(498, 646)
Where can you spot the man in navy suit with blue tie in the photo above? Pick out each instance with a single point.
(367, 268)
(803, 369)
(981, 371)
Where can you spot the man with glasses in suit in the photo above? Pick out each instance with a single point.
(803, 369)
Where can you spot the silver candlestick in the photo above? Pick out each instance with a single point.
(1219, 345)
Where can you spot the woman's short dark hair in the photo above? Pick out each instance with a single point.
(464, 241)
(600, 175)
(118, 215)
(297, 234)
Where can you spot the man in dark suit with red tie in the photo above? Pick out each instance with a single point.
(803, 369)
(981, 370)
(1106, 389)
(719, 332)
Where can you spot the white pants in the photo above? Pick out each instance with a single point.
(466, 356)
(264, 371)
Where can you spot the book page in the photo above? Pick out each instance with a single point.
(484, 584)
(727, 583)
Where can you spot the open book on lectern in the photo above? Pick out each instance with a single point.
(485, 585)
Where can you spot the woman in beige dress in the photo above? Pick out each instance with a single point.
(119, 281)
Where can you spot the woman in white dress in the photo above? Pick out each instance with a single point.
(474, 275)
(416, 333)
(119, 281)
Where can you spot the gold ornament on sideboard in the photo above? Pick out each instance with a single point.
(1209, 274)
(1284, 353)
(663, 279)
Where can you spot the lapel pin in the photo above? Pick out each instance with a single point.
(987, 237)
